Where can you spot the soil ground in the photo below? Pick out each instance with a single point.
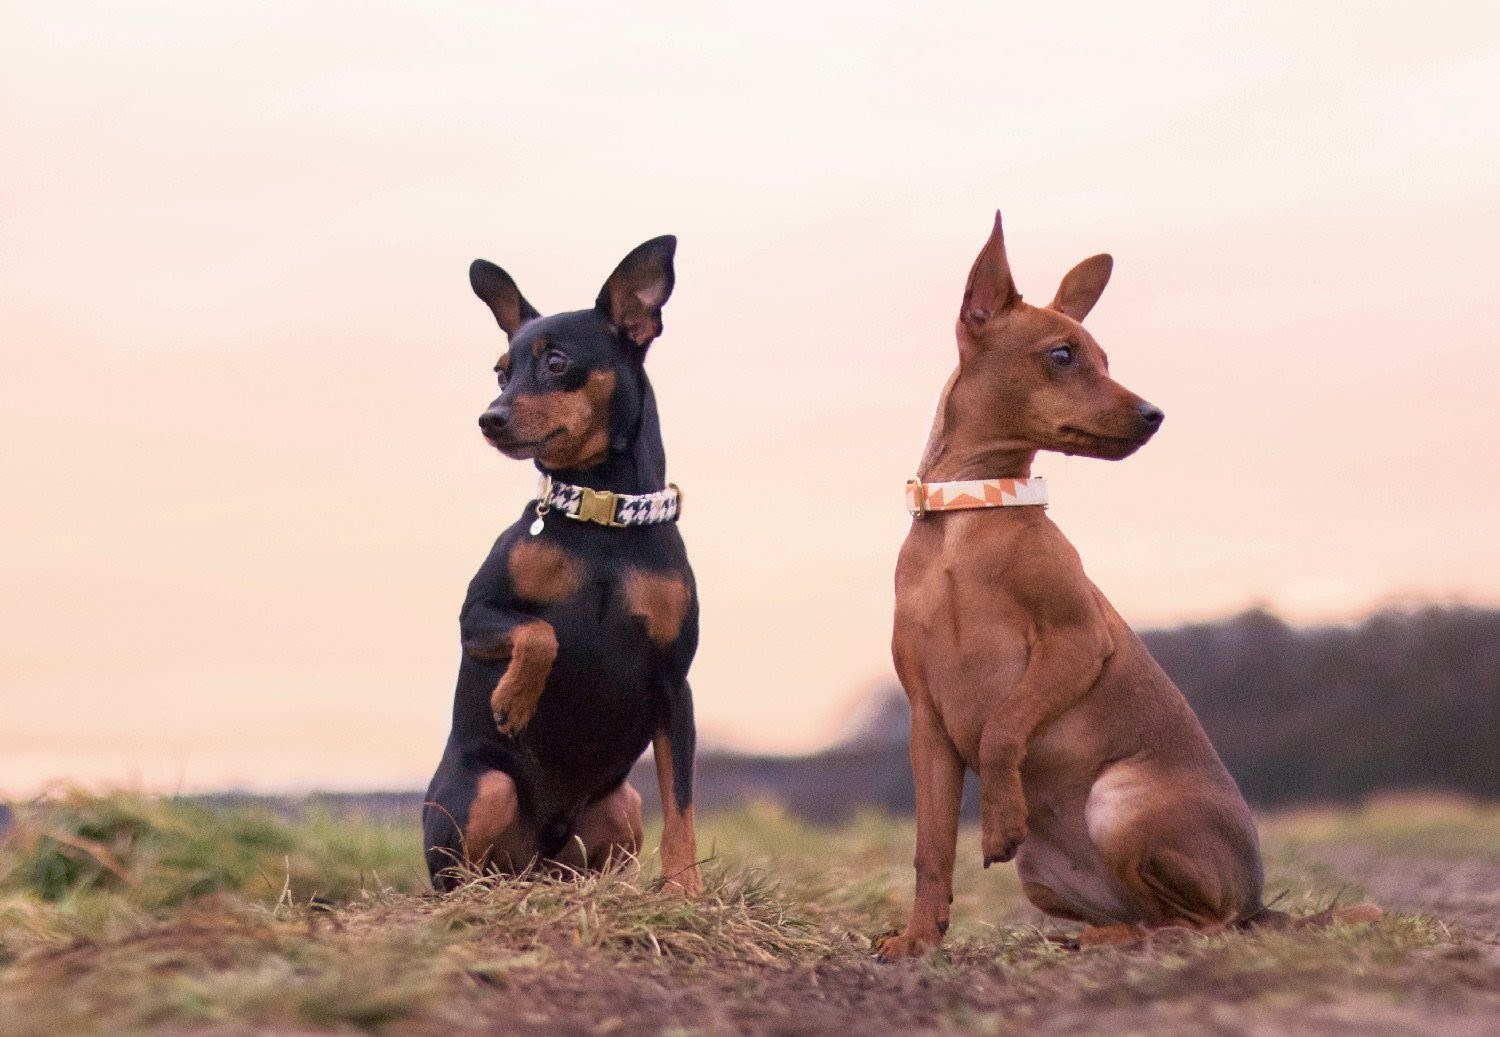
(113, 919)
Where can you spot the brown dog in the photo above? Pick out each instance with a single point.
(1094, 773)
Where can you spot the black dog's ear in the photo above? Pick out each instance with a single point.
(633, 296)
(495, 288)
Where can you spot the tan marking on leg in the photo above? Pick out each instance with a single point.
(679, 841)
(661, 600)
(609, 832)
(491, 815)
(533, 647)
(543, 572)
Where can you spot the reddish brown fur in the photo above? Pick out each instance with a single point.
(1092, 767)
(532, 647)
(544, 572)
(572, 427)
(1049, 902)
(679, 841)
(661, 600)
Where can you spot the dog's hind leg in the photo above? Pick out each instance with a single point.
(1184, 859)
(495, 836)
(607, 832)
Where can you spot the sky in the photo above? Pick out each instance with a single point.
(241, 488)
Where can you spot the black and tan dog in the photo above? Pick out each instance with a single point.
(579, 627)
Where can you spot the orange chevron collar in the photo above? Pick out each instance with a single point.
(974, 493)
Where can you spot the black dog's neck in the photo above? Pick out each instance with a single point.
(639, 465)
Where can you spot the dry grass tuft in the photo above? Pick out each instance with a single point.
(126, 913)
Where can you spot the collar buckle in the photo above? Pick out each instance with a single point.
(597, 506)
(916, 498)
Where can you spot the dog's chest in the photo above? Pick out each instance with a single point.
(960, 639)
(606, 601)
(625, 618)
(966, 682)
(964, 660)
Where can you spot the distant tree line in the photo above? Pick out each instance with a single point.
(1406, 699)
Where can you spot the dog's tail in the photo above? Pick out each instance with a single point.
(1356, 914)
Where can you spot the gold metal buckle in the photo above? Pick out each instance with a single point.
(598, 506)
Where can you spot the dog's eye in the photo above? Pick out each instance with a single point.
(557, 363)
(1062, 356)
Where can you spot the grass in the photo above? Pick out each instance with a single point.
(127, 913)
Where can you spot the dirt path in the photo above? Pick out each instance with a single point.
(1103, 992)
(1358, 983)
(1462, 890)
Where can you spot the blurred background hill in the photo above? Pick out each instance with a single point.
(1405, 700)
(1408, 699)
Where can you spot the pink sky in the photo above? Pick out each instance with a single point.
(243, 490)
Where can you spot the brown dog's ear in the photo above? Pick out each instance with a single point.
(633, 296)
(990, 289)
(1081, 289)
(497, 291)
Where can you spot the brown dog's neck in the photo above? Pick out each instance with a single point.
(944, 462)
(950, 457)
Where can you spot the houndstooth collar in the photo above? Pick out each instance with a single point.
(605, 507)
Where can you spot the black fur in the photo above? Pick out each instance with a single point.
(611, 689)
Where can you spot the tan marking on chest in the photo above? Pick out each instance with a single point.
(661, 600)
(544, 572)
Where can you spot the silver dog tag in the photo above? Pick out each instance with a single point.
(536, 527)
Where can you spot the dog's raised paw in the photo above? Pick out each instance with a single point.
(1006, 852)
(511, 722)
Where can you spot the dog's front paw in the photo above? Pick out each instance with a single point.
(906, 944)
(688, 883)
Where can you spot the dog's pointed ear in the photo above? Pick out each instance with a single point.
(497, 291)
(633, 296)
(990, 289)
(1081, 289)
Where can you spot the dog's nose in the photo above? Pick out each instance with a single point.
(1151, 415)
(494, 419)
